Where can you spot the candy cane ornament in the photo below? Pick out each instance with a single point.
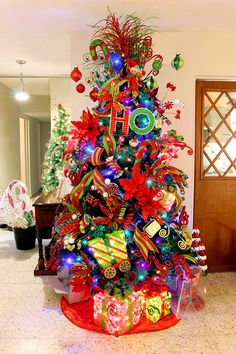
(92, 49)
(153, 153)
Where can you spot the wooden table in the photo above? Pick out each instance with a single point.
(44, 214)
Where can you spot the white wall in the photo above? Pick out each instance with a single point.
(206, 55)
(9, 138)
(60, 92)
(80, 44)
(37, 106)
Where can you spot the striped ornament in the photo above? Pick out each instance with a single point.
(151, 83)
(109, 144)
(100, 43)
(77, 192)
(144, 243)
(153, 152)
(110, 250)
(92, 176)
(99, 181)
(95, 157)
(177, 63)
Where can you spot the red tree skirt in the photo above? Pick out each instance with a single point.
(81, 314)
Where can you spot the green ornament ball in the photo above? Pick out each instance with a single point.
(177, 63)
(157, 64)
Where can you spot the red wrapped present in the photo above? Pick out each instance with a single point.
(116, 315)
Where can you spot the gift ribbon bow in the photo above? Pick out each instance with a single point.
(110, 96)
(152, 289)
(119, 290)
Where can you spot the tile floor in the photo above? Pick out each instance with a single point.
(31, 320)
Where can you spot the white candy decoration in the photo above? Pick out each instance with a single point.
(16, 205)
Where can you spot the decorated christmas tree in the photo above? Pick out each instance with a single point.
(53, 160)
(123, 230)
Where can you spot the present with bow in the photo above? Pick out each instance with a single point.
(190, 294)
(118, 309)
(156, 300)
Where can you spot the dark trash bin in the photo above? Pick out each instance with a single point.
(25, 238)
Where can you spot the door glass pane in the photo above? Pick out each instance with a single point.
(223, 134)
(212, 149)
(207, 104)
(206, 163)
(231, 149)
(207, 133)
(212, 119)
(231, 120)
(232, 95)
(231, 172)
(224, 104)
(213, 95)
(222, 163)
(212, 173)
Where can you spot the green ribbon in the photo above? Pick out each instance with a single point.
(104, 314)
(130, 314)
(121, 290)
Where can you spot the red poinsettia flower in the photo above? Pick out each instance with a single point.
(88, 128)
(145, 197)
(132, 186)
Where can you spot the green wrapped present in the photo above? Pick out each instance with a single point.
(159, 306)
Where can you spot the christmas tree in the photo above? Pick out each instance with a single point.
(53, 160)
(123, 231)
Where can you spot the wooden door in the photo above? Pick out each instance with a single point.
(215, 171)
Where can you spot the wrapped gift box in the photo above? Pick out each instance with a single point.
(117, 315)
(158, 306)
(78, 296)
(189, 293)
(73, 294)
(156, 300)
(187, 288)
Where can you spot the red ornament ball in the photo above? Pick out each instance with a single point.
(76, 74)
(80, 88)
(94, 94)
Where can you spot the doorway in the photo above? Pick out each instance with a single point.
(30, 153)
(215, 171)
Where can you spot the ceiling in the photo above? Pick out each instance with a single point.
(39, 31)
